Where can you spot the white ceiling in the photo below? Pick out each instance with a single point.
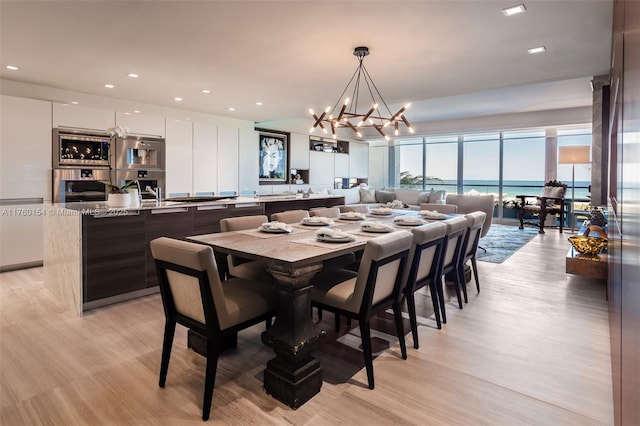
(450, 58)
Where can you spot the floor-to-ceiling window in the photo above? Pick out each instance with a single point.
(578, 192)
(408, 155)
(582, 171)
(523, 157)
(441, 163)
(481, 164)
(505, 164)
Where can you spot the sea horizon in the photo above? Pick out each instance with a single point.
(510, 188)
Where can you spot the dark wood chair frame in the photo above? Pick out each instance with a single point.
(430, 280)
(544, 209)
(471, 255)
(453, 269)
(367, 310)
(215, 337)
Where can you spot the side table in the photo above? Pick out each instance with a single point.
(586, 265)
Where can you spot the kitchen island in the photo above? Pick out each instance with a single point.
(95, 255)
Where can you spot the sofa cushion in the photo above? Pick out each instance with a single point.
(436, 197)
(423, 197)
(367, 195)
(384, 197)
(407, 196)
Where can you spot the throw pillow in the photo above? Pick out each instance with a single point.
(384, 197)
(437, 197)
(423, 197)
(367, 195)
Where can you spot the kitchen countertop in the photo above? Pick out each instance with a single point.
(93, 207)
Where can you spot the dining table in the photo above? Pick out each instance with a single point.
(294, 376)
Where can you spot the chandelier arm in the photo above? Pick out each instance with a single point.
(345, 89)
(377, 91)
(375, 107)
(356, 91)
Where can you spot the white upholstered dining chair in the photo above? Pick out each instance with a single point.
(374, 288)
(238, 266)
(193, 296)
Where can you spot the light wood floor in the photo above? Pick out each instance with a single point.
(531, 348)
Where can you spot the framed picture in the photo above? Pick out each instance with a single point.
(273, 158)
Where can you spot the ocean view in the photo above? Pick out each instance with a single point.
(510, 188)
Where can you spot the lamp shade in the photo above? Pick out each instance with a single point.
(574, 154)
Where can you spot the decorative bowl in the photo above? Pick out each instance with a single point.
(588, 245)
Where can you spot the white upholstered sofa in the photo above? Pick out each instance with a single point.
(362, 198)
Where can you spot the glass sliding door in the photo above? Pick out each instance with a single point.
(441, 164)
(409, 166)
(481, 164)
(522, 170)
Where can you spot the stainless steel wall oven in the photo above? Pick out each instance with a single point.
(72, 148)
(72, 185)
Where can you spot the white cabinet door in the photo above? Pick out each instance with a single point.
(205, 157)
(228, 158)
(21, 236)
(248, 159)
(25, 148)
(321, 169)
(341, 165)
(358, 160)
(299, 147)
(179, 157)
(378, 166)
(82, 117)
(142, 124)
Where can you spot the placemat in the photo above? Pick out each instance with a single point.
(313, 242)
(259, 234)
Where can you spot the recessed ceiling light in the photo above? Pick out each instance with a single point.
(259, 103)
(75, 102)
(178, 99)
(133, 75)
(109, 86)
(13, 67)
(231, 109)
(535, 50)
(514, 10)
(65, 104)
(206, 91)
(188, 118)
(127, 113)
(136, 111)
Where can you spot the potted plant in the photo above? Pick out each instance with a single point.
(510, 207)
(122, 196)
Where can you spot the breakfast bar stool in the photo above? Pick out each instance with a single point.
(374, 288)
(193, 296)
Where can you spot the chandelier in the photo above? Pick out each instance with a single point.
(378, 116)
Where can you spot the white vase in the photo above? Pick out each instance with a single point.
(119, 200)
(134, 196)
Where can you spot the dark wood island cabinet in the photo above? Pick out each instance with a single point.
(98, 256)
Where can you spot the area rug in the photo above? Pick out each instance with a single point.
(502, 241)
